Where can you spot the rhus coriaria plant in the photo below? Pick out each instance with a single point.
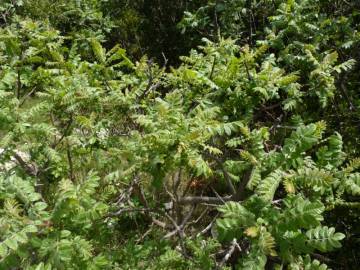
(228, 160)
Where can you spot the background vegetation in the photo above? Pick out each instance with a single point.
(179, 134)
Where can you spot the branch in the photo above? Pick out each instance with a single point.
(176, 181)
(246, 67)
(66, 132)
(345, 93)
(204, 199)
(240, 194)
(225, 173)
(150, 86)
(228, 180)
(129, 209)
(126, 194)
(18, 84)
(234, 244)
(176, 184)
(71, 167)
(208, 227)
(324, 259)
(26, 96)
(212, 68)
(179, 228)
(31, 170)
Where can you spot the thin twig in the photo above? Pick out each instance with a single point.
(225, 173)
(208, 227)
(212, 68)
(71, 167)
(230, 252)
(66, 132)
(179, 229)
(26, 96)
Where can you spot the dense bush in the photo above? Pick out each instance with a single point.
(240, 156)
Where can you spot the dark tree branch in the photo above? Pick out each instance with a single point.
(225, 173)
(71, 166)
(344, 92)
(66, 132)
(212, 68)
(240, 193)
(30, 170)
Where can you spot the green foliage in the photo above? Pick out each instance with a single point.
(324, 238)
(307, 263)
(223, 161)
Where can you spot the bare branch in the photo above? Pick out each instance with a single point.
(208, 227)
(234, 245)
(204, 199)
